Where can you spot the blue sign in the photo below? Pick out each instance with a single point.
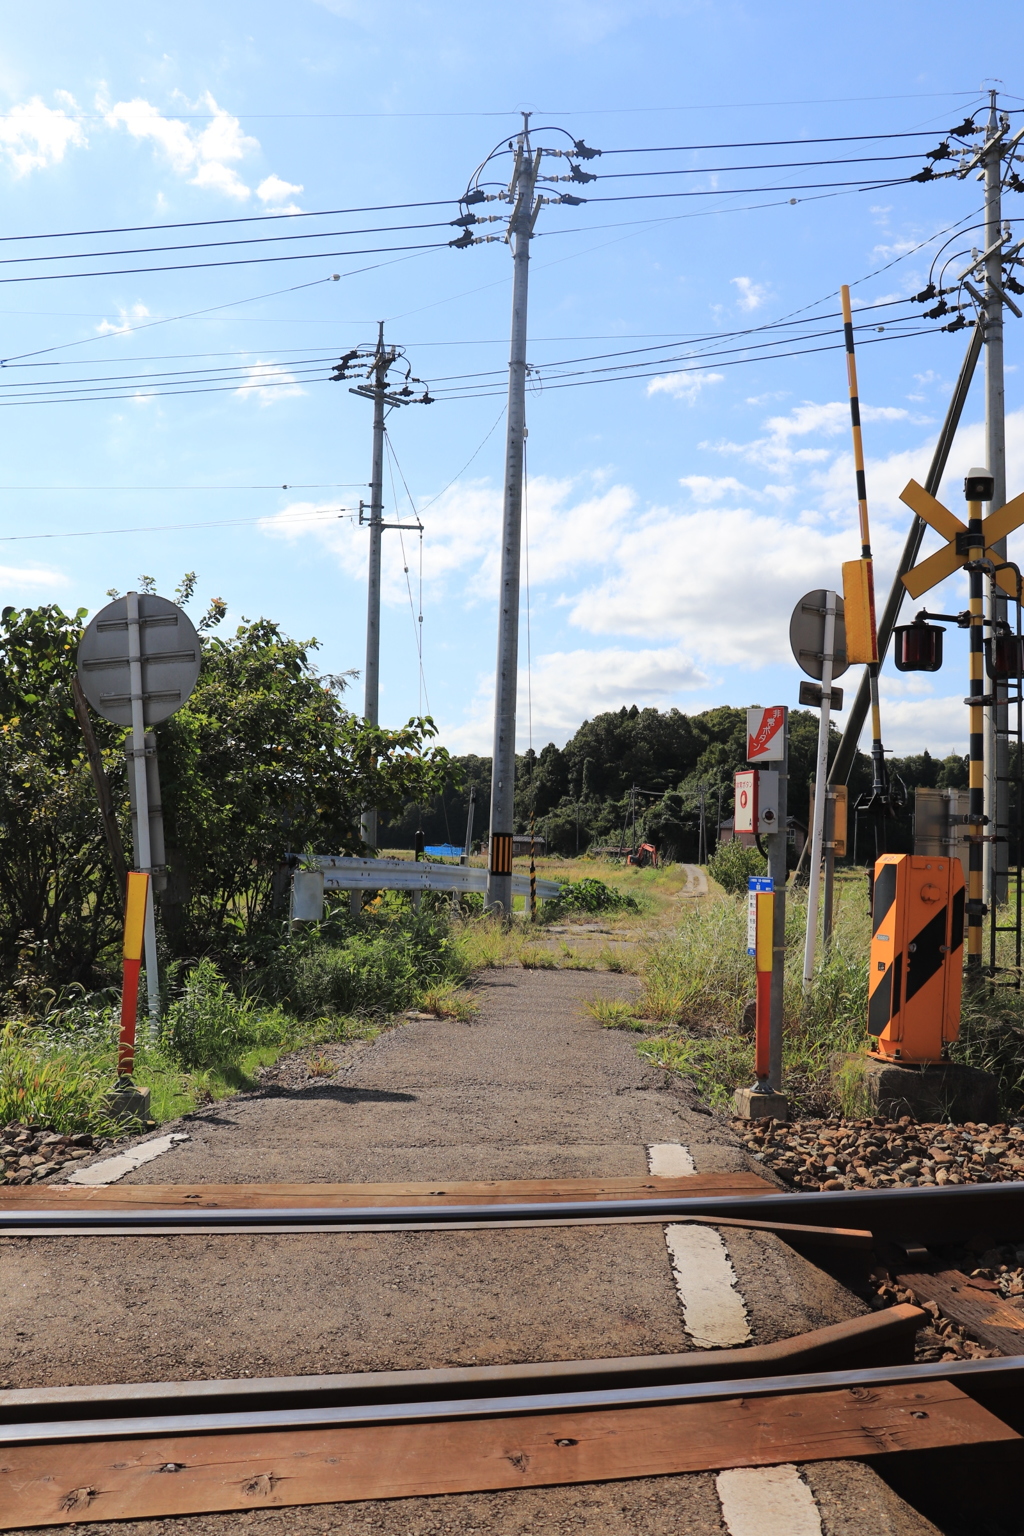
(760, 883)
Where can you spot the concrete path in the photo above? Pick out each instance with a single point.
(532, 1088)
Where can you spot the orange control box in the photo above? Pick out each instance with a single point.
(917, 940)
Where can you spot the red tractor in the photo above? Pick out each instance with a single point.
(644, 856)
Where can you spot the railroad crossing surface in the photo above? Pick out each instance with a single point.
(532, 1088)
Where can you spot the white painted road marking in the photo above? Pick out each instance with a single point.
(113, 1168)
(670, 1160)
(713, 1312)
(767, 1501)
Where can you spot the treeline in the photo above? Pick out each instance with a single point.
(653, 766)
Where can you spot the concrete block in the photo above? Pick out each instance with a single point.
(128, 1104)
(759, 1104)
(942, 1090)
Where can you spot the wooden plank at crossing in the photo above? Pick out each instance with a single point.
(126, 1479)
(155, 1197)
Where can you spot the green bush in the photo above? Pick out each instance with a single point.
(733, 863)
(590, 896)
(208, 1026)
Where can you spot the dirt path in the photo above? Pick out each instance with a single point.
(532, 1088)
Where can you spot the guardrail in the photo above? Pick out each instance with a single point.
(346, 874)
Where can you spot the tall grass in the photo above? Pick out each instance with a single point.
(700, 979)
(53, 1086)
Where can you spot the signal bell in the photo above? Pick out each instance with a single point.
(918, 647)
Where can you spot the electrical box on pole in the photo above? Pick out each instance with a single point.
(756, 799)
(916, 974)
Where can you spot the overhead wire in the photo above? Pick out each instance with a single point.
(417, 621)
(315, 514)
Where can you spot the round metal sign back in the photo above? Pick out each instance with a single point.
(807, 635)
(170, 659)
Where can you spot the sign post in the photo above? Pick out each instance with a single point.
(138, 661)
(768, 743)
(760, 936)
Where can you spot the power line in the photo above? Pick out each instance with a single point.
(212, 245)
(317, 514)
(238, 261)
(320, 485)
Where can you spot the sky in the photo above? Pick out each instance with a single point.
(166, 391)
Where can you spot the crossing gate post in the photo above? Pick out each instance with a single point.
(916, 975)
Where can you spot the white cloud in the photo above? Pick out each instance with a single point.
(206, 156)
(273, 191)
(683, 386)
(128, 318)
(909, 724)
(30, 579)
(721, 582)
(705, 488)
(752, 295)
(463, 535)
(268, 382)
(571, 686)
(33, 135)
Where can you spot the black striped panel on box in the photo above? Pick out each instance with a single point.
(926, 952)
(885, 999)
(883, 896)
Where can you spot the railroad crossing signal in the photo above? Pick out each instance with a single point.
(956, 554)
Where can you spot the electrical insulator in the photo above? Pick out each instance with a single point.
(918, 647)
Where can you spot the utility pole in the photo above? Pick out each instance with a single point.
(521, 194)
(383, 393)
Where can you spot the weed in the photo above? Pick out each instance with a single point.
(588, 895)
(571, 960)
(613, 1013)
(537, 960)
(619, 961)
(60, 1088)
(449, 1002)
(320, 1065)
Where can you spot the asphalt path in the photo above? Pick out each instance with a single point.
(533, 1087)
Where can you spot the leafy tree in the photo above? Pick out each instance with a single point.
(263, 759)
(59, 907)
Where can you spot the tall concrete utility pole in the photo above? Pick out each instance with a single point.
(520, 194)
(383, 393)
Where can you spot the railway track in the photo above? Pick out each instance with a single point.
(574, 1345)
(147, 1450)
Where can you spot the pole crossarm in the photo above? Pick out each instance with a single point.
(956, 553)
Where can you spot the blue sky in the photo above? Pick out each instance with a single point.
(674, 517)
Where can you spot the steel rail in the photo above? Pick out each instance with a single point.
(1003, 1376)
(939, 1214)
(876, 1338)
(832, 1237)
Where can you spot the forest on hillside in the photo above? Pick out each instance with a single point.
(656, 766)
